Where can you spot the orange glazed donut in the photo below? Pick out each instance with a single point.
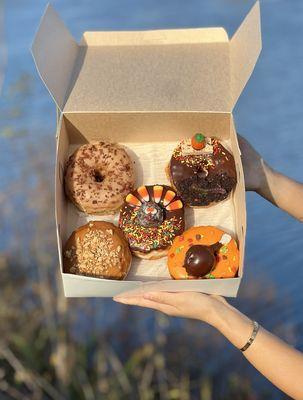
(203, 252)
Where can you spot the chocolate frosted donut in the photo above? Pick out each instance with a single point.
(98, 176)
(202, 171)
(151, 217)
(97, 249)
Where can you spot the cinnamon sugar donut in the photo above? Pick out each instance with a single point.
(150, 218)
(203, 252)
(97, 249)
(98, 176)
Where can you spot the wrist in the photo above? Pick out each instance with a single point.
(234, 325)
(217, 308)
(266, 177)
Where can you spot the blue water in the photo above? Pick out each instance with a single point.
(269, 113)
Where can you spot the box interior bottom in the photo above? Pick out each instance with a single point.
(150, 162)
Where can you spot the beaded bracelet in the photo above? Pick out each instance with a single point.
(253, 336)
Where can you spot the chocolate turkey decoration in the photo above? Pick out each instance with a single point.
(150, 214)
(199, 260)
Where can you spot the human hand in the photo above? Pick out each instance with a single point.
(254, 166)
(207, 308)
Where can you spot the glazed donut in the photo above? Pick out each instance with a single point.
(98, 176)
(97, 249)
(150, 218)
(203, 252)
(202, 171)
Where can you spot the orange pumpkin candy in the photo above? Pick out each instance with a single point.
(198, 141)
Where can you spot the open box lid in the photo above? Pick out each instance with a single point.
(160, 70)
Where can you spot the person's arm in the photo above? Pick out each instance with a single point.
(277, 188)
(276, 360)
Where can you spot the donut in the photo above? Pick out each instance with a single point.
(202, 171)
(97, 177)
(151, 217)
(203, 252)
(97, 249)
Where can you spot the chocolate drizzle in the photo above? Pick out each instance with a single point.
(205, 178)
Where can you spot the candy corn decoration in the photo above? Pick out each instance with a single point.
(169, 196)
(198, 141)
(143, 193)
(158, 193)
(175, 205)
(132, 200)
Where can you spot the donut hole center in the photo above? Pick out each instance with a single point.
(98, 176)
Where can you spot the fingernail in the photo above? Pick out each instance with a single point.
(147, 296)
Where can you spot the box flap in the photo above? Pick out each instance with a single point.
(160, 70)
(245, 47)
(54, 51)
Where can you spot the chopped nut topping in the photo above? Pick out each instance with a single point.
(95, 254)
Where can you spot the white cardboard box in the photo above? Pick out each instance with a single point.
(147, 90)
